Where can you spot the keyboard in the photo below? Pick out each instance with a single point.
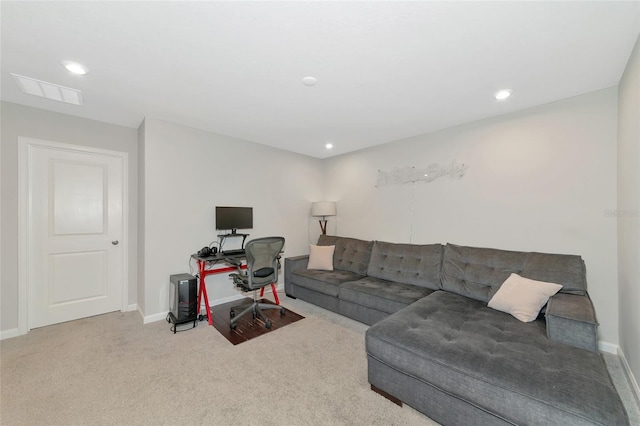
(233, 252)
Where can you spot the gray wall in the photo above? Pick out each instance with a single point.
(537, 180)
(187, 173)
(628, 208)
(19, 121)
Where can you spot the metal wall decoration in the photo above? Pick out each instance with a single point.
(409, 174)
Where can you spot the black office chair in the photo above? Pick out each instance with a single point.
(263, 262)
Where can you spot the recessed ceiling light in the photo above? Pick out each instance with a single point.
(309, 81)
(502, 94)
(329, 146)
(75, 68)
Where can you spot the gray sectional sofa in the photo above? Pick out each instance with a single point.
(436, 346)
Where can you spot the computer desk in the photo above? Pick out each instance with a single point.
(204, 270)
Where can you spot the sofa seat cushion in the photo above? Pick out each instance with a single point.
(383, 295)
(496, 363)
(326, 282)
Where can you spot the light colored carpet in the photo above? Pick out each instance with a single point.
(112, 370)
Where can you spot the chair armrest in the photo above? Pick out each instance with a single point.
(296, 262)
(571, 319)
(233, 261)
(292, 264)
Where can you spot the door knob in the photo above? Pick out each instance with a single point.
(115, 242)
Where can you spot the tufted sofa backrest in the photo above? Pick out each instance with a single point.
(350, 255)
(479, 272)
(407, 263)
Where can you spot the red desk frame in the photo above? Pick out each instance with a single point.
(203, 272)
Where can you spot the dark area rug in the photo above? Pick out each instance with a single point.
(248, 328)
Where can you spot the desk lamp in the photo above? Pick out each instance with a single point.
(323, 209)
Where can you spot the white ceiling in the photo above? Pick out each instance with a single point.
(385, 70)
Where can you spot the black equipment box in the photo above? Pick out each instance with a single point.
(183, 298)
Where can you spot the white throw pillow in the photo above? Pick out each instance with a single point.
(522, 297)
(321, 257)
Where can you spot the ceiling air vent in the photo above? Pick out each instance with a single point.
(51, 91)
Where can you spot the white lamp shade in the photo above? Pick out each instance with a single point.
(323, 208)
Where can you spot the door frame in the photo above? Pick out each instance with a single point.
(25, 145)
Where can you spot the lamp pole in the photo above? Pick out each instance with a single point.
(323, 225)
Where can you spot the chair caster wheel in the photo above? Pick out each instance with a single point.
(282, 311)
(200, 317)
(232, 326)
(232, 313)
(268, 325)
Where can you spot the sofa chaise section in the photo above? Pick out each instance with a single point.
(478, 273)
(460, 362)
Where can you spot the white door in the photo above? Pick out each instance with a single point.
(75, 250)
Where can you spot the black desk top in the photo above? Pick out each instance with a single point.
(218, 257)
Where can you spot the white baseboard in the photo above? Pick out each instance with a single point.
(146, 319)
(632, 380)
(7, 334)
(607, 347)
(15, 332)
(162, 316)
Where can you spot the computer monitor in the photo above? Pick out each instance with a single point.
(234, 218)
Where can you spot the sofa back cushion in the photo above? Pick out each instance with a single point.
(479, 272)
(566, 269)
(407, 263)
(350, 254)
